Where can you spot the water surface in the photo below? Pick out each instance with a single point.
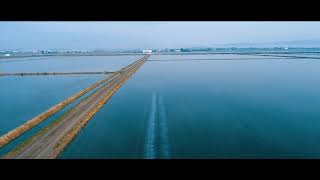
(265, 108)
(66, 64)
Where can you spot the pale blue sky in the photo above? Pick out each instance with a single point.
(115, 35)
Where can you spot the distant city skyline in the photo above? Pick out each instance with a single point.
(150, 35)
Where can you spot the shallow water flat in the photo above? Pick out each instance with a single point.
(208, 57)
(22, 98)
(302, 55)
(66, 64)
(213, 109)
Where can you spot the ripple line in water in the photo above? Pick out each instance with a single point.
(151, 135)
(164, 139)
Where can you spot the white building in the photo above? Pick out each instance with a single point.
(146, 51)
(7, 55)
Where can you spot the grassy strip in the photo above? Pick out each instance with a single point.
(65, 140)
(13, 134)
(78, 126)
(24, 144)
(50, 73)
(28, 141)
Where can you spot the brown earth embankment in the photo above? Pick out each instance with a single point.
(11, 135)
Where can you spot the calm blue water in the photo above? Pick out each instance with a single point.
(234, 108)
(30, 95)
(66, 64)
(24, 97)
(209, 109)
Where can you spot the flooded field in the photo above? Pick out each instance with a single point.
(263, 108)
(24, 97)
(66, 64)
(180, 106)
(160, 89)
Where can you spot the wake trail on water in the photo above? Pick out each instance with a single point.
(150, 152)
(164, 139)
(157, 140)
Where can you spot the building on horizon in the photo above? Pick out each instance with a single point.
(146, 51)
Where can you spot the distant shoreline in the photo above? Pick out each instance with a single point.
(67, 55)
(161, 53)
